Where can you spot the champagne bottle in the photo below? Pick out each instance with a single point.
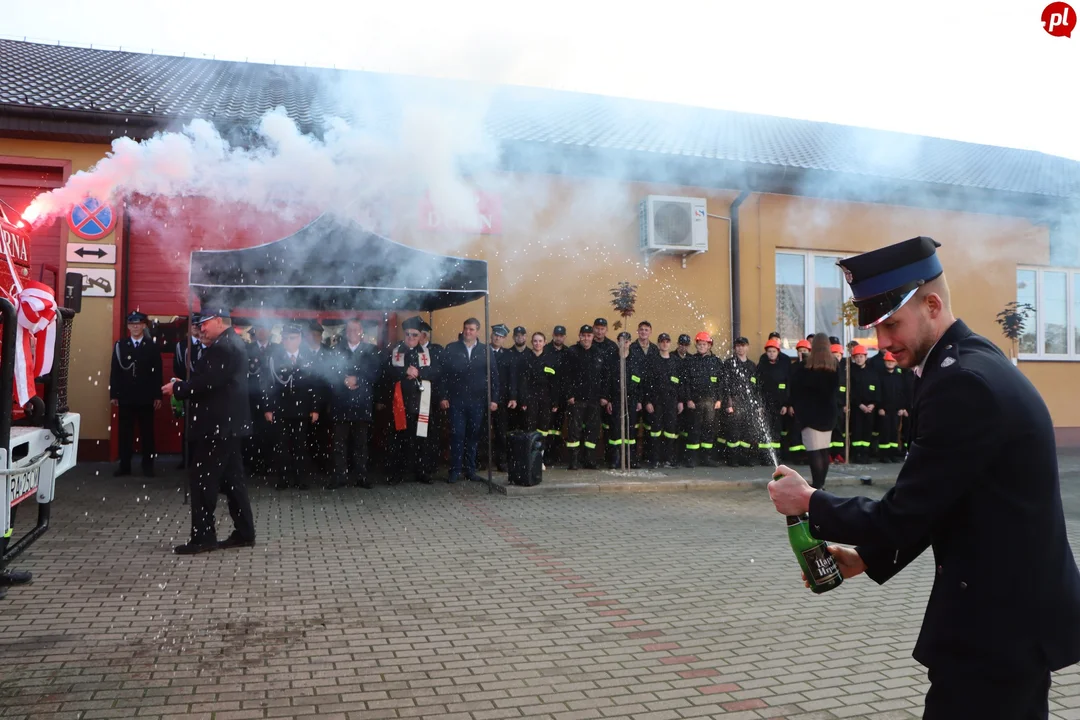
(817, 562)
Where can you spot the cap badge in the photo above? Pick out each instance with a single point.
(947, 362)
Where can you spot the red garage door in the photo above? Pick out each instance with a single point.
(19, 184)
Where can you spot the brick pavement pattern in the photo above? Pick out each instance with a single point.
(447, 602)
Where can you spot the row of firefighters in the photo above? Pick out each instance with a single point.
(323, 407)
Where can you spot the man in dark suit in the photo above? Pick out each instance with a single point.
(293, 397)
(185, 356)
(356, 371)
(464, 391)
(135, 390)
(979, 486)
(220, 420)
(259, 452)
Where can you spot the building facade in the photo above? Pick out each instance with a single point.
(560, 220)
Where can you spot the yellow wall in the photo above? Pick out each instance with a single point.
(565, 242)
(92, 333)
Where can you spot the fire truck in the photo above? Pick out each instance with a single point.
(39, 438)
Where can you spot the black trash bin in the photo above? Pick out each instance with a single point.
(526, 461)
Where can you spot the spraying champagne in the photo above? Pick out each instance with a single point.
(818, 564)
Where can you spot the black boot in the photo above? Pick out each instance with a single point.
(573, 453)
(690, 458)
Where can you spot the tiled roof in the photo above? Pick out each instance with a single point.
(168, 87)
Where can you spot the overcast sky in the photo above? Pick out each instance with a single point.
(984, 71)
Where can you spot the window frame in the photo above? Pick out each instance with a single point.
(809, 287)
(1072, 352)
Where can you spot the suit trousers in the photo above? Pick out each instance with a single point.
(958, 692)
(466, 419)
(218, 465)
(126, 417)
(350, 451)
(410, 452)
(292, 437)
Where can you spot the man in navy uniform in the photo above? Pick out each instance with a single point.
(293, 397)
(220, 420)
(135, 390)
(464, 394)
(979, 485)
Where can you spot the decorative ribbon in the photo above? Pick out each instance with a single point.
(36, 318)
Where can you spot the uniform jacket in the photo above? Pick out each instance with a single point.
(540, 379)
(586, 374)
(258, 362)
(366, 366)
(773, 379)
(464, 377)
(218, 390)
(980, 486)
(740, 380)
(704, 377)
(665, 380)
(637, 377)
(865, 387)
(505, 361)
(135, 377)
(292, 391)
(180, 356)
(895, 390)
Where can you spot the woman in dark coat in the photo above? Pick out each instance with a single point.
(815, 387)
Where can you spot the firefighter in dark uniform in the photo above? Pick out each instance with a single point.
(839, 436)
(503, 362)
(586, 399)
(892, 410)
(664, 396)
(135, 389)
(772, 386)
(260, 453)
(704, 372)
(553, 447)
(647, 350)
(539, 386)
(293, 399)
(741, 406)
(1004, 611)
(636, 376)
(409, 373)
(220, 420)
(320, 436)
(519, 350)
(609, 350)
(682, 354)
(865, 398)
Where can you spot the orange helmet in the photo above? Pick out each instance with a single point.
(773, 343)
(889, 357)
(836, 348)
(703, 337)
(858, 350)
(802, 344)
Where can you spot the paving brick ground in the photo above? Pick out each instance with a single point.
(448, 602)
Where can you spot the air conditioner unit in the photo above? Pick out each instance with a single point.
(674, 225)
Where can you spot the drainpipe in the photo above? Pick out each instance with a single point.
(734, 284)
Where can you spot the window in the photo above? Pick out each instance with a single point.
(1052, 332)
(813, 280)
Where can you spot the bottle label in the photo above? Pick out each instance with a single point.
(822, 564)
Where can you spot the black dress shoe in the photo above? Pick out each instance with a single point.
(193, 548)
(235, 540)
(9, 578)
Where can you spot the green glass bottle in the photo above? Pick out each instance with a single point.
(817, 562)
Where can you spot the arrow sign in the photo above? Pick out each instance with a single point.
(91, 253)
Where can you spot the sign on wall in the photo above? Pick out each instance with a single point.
(97, 253)
(487, 221)
(98, 282)
(91, 219)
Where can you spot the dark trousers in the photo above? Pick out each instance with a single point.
(887, 444)
(218, 466)
(702, 433)
(466, 419)
(320, 439)
(553, 447)
(500, 427)
(615, 439)
(772, 423)
(350, 451)
(537, 414)
(862, 431)
(127, 416)
(292, 450)
(584, 426)
(259, 454)
(665, 429)
(410, 453)
(961, 693)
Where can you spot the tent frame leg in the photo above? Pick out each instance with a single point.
(490, 432)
